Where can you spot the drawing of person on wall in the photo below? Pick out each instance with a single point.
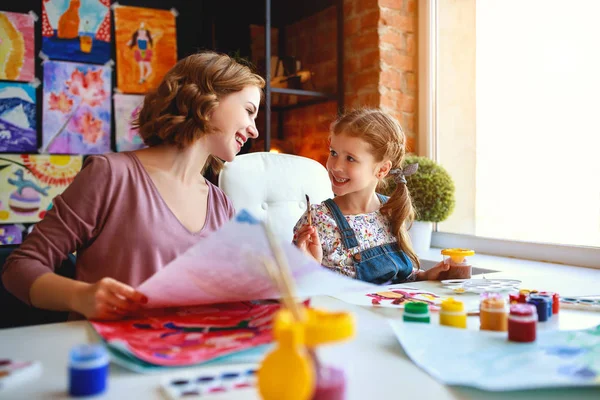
(143, 41)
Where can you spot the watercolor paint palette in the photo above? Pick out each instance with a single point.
(234, 382)
(481, 285)
(586, 303)
(14, 373)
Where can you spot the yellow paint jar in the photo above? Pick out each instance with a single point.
(452, 313)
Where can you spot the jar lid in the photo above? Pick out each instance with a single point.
(522, 309)
(416, 308)
(458, 252)
(87, 356)
(452, 305)
(493, 302)
(540, 298)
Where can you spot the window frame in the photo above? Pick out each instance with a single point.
(580, 256)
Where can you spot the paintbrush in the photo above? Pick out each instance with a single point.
(308, 210)
(281, 275)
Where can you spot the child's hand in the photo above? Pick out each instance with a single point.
(307, 240)
(108, 299)
(433, 274)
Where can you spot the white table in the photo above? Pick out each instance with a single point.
(376, 365)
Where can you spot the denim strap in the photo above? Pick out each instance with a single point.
(348, 237)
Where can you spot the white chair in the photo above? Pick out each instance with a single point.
(272, 187)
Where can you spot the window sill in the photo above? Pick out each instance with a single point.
(567, 280)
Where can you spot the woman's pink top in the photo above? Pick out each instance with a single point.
(116, 220)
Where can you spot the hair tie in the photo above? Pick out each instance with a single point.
(400, 174)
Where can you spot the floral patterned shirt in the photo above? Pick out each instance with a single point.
(371, 229)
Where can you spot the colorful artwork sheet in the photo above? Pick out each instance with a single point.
(29, 182)
(488, 361)
(11, 234)
(17, 118)
(76, 109)
(146, 43)
(17, 47)
(76, 30)
(196, 276)
(393, 296)
(187, 336)
(127, 108)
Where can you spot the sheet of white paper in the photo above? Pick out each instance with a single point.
(226, 266)
(392, 296)
(488, 361)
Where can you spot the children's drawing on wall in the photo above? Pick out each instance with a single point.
(127, 108)
(76, 30)
(29, 182)
(11, 234)
(17, 43)
(17, 117)
(76, 109)
(146, 47)
(191, 335)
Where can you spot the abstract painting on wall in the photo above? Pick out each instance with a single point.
(17, 117)
(76, 108)
(126, 109)
(146, 47)
(76, 30)
(29, 182)
(10, 234)
(17, 43)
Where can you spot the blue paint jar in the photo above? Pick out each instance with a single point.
(550, 302)
(543, 305)
(88, 370)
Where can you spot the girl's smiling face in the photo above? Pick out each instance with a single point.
(351, 165)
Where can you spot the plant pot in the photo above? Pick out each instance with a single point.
(420, 236)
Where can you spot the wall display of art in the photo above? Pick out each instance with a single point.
(146, 46)
(11, 234)
(17, 117)
(76, 108)
(17, 43)
(29, 182)
(76, 30)
(126, 110)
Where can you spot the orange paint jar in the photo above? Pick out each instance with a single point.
(493, 314)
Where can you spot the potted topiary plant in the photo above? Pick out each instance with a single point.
(432, 191)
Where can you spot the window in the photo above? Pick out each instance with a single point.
(512, 91)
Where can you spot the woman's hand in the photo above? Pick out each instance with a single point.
(307, 240)
(107, 299)
(433, 274)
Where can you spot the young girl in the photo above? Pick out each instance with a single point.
(361, 233)
(129, 214)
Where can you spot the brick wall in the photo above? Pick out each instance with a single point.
(380, 63)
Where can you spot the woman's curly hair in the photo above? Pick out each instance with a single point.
(178, 110)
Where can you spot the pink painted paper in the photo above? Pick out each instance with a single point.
(23, 24)
(192, 335)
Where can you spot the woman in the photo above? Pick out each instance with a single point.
(129, 214)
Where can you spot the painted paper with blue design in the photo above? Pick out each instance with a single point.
(489, 361)
(17, 118)
(76, 109)
(10, 234)
(76, 30)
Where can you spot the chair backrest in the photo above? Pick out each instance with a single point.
(272, 187)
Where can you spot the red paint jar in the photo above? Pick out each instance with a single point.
(555, 301)
(522, 323)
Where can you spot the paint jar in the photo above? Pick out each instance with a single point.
(416, 312)
(492, 313)
(555, 301)
(88, 370)
(543, 305)
(331, 384)
(522, 323)
(452, 313)
(460, 268)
